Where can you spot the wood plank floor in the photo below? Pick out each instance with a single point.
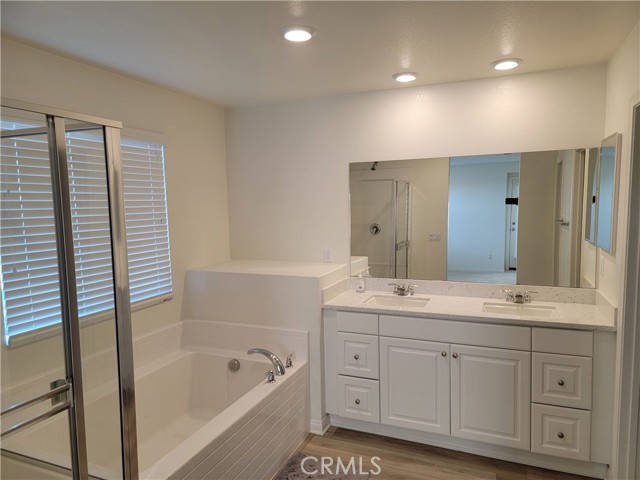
(403, 460)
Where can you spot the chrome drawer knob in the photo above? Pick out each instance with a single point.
(560, 435)
(561, 383)
(357, 401)
(455, 355)
(444, 354)
(356, 356)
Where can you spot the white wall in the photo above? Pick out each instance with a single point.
(477, 213)
(195, 168)
(623, 85)
(288, 163)
(623, 91)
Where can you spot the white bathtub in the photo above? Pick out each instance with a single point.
(196, 419)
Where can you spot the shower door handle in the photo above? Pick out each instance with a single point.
(401, 245)
(61, 389)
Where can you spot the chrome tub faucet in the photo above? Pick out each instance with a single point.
(277, 363)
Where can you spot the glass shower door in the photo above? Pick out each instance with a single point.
(33, 347)
(88, 210)
(62, 211)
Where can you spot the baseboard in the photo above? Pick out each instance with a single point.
(587, 469)
(320, 427)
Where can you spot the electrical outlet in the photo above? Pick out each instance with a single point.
(327, 255)
(435, 237)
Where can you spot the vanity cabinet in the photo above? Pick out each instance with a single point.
(562, 393)
(526, 393)
(414, 383)
(490, 390)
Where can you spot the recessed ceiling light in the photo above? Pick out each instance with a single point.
(507, 63)
(405, 77)
(298, 33)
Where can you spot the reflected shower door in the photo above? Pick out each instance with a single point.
(372, 232)
(402, 222)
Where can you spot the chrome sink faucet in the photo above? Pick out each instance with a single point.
(518, 297)
(277, 363)
(403, 289)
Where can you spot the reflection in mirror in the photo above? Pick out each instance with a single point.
(591, 186)
(505, 218)
(607, 196)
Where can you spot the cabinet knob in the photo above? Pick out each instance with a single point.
(561, 382)
(560, 435)
(455, 355)
(356, 356)
(357, 401)
(444, 354)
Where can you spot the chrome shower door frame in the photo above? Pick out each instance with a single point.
(70, 319)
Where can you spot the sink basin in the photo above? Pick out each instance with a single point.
(396, 301)
(520, 310)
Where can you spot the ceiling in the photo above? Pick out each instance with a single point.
(232, 52)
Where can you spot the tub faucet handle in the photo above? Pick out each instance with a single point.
(271, 378)
(289, 363)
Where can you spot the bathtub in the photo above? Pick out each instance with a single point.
(195, 419)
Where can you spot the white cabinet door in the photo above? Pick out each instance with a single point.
(414, 384)
(490, 395)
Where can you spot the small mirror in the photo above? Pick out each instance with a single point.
(606, 204)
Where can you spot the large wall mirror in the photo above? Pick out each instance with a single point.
(518, 218)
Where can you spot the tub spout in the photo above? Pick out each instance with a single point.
(277, 363)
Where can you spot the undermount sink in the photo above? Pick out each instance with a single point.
(520, 310)
(396, 301)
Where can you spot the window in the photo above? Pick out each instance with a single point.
(29, 274)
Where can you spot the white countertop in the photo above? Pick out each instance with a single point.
(448, 307)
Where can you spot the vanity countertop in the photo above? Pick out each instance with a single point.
(470, 309)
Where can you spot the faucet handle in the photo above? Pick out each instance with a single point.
(527, 295)
(510, 295)
(289, 363)
(271, 378)
(411, 288)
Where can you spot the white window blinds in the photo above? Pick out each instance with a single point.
(145, 203)
(30, 284)
(29, 274)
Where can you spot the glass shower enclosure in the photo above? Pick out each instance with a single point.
(380, 223)
(68, 406)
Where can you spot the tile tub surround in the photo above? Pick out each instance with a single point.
(469, 308)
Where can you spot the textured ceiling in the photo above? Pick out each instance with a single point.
(232, 52)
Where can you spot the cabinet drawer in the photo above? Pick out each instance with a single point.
(359, 398)
(358, 355)
(567, 342)
(465, 333)
(562, 380)
(356, 322)
(562, 432)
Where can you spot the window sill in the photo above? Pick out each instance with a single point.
(35, 336)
